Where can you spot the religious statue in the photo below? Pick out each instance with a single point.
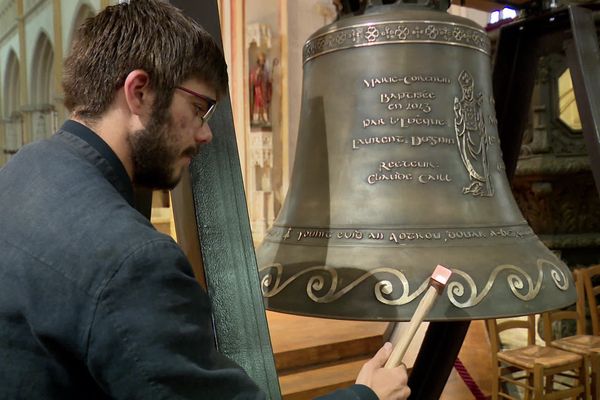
(260, 92)
(472, 137)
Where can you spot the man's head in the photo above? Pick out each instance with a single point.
(162, 149)
(151, 46)
(150, 35)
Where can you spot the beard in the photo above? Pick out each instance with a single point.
(155, 154)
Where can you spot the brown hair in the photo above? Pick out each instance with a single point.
(143, 34)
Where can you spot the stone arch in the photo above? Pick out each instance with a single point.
(42, 88)
(11, 85)
(42, 72)
(84, 12)
(13, 134)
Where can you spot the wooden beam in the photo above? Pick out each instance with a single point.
(226, 247)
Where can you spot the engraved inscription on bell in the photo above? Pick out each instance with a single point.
(410, 102)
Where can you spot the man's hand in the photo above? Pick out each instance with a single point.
(387, 383)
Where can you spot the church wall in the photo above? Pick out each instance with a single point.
(70, 10)
(40, 66)
(8, 20)
(39, 110)
(9, 42)
(38, 20)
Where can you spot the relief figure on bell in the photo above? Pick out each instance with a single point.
(472, 138)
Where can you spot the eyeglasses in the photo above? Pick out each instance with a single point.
(206, 110)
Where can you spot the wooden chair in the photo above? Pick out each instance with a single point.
(591, 282)
(534, 368)
(587, 346)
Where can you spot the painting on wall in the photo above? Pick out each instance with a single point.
(261, 91)
(263, 64)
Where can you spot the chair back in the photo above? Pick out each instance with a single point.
(591, 282)
(497, 326)
(577, 315)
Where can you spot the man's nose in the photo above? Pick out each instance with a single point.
(204, 135)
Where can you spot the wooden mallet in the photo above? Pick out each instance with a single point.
(437, 283)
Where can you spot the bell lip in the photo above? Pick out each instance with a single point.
(335, 288)
(408, 317)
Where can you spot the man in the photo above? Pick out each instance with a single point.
(94, 302)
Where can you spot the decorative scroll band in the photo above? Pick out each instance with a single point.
(393, 32)
(462, 291)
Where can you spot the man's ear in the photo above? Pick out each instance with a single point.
(137, 92)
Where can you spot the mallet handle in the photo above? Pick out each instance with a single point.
(422, 309)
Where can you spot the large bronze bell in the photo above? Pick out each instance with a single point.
(398, 169)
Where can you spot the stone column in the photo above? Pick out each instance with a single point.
(23, 81)
(60, 112)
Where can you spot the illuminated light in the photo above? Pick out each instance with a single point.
(508, 13)
(495, 17)
(501, 15)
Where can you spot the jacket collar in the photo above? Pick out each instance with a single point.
(102, 156)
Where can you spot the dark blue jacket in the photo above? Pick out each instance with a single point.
(94, 302)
